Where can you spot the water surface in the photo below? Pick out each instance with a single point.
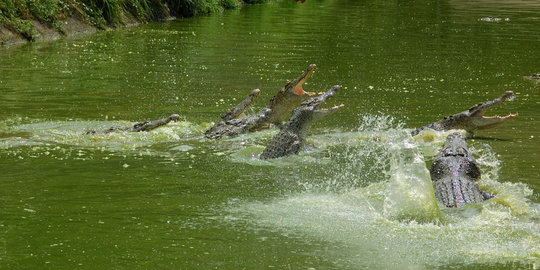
(358, 197)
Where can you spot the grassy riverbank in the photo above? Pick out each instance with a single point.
(31, 19)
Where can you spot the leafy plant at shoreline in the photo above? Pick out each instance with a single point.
(46, 11)
(230, 4)
(24, 27)
(147, 10)
(140, 9)
(18, 15)
(93, 15)
(255, 1)
(189, 8)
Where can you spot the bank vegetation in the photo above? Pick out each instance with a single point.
(34, 19)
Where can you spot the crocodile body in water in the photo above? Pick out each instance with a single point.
(276, 112)
(454, 174)
(534, 77)
(291, 138)
(141, 126)
(472, 119)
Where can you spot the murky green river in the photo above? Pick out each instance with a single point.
(357, 197)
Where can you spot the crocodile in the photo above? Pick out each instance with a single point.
(291, 138)
(472, 119)
(534, 77)
(141, 126)
(275, 112)
(454, 174)
(493, 19)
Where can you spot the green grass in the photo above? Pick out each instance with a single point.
(17, 15)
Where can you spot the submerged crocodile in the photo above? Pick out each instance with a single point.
(141, 126)
(292, 136)
(493, 19)
(472, 119)
(454, 174)
(276, 112)
(534, 77)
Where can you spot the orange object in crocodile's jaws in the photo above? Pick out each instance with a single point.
(299, 90)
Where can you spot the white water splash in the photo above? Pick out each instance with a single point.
(391, 219)
(410, 194)
(71, 133)
(33, 138)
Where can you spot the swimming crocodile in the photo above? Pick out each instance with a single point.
(292, 136)
(493, 19)
(141, 126)
(275, 112)
(472, 119)
(454, 174)
(534, 77)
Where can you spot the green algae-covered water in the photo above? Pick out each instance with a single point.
(358, 197)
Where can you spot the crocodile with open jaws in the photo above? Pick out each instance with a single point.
(454, 174)
(141, 126)
(276, 112)
(291, 138)
(472, 119)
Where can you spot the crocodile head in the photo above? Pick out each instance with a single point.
(309, 112)
(476, 118)
(472, 119)
(290, 97)
(455, 145)
(292, 136)
(173, 117)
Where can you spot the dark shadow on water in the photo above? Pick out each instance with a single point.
(489, 139)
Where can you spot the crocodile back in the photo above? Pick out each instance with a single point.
(456, 192)
(454, 174)
(285, 143)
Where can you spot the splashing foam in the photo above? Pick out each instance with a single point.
(71, 132)
(63, 138)
(356, 158)
(410, 194)
(511, 195)
(390, 219)
(381, 151)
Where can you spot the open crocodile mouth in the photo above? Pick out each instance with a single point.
(498, 117)
(298, 89)
(507, 96)
(483, 121)
(322, 100)
(333, 108)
